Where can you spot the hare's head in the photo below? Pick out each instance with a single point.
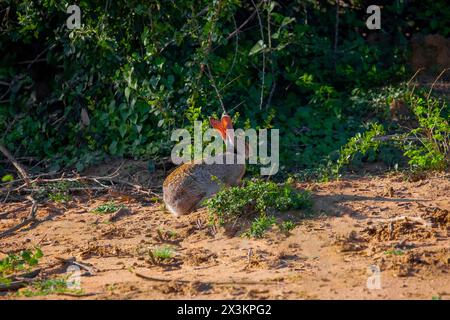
(225, 128)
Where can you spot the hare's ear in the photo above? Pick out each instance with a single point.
(216, 124)
(227, 123)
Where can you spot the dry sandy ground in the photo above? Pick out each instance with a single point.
(362, 224)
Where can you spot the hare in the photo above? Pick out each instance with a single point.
(190, 183)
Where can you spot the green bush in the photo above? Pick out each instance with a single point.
(430, 150)
(136, 69)
(257, 198)
(23, 261)
(426, 146)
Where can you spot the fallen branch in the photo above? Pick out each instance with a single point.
(15, 163)
(6, 214)
(211, 282)
(137, 188)
(14, 285)
(30, 219)
(19, 281)
(73, 261)
(76, 295)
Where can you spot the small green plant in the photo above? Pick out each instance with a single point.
(394, 252)
(260, 225)
(429, 144)
(256, 197)
(59, 196)
(108, 207)
(171, 234)
(49, 286)
(7, 178)
(359, 144)
(168, 233)
(438, 297)
(163, 253)
(287, 226)
(22, 261)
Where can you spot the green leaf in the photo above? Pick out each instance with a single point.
(7, 178)
(113, 147)
(38, 254)
(258, 47)
(287, 21)
(123, 129)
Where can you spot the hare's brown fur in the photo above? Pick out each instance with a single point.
(192, 182)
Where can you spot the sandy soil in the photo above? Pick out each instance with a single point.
(362, 224)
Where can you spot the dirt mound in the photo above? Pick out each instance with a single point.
(439, 217)
(351, 242)
(404, 229)
(200, 256)
(411, 263)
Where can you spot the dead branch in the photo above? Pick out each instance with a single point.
(6, 214)
(237, 30)
(14, 285)
(336, 34)
(263, 55)
(30, 219)
(19, 281)
(224, 283)
(15, 163)
(213, 83)
(73, 261)
(70, 189)
(77, 295)
(436, 80)
(27, 275)
(395, 137)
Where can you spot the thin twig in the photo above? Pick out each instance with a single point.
(73, 261)
(394, 137)
(236, 47)
(272, 69)
(414, 76)
(15, 163)
(213, 83)
(263, 56)
(438, 77)
(336, 34)
(238, 30)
